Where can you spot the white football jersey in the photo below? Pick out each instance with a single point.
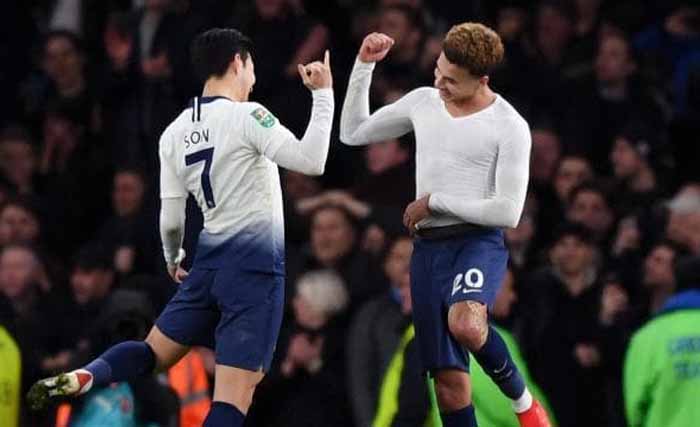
(219, 151)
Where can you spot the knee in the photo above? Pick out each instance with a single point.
(452, 390)
(469, 329)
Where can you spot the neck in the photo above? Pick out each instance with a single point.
(577, 282)
(613, 90)
(644, 181)
(658, 299)
(223, 87)
(481, 99)
(72, 87)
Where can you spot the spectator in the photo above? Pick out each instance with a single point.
(18, 161)
(19, 223)
(308, 374)
(545, 156)
(131, 233)
(375, 333)
(561, 328)
(334, 245)
(633, 154)
(590, 206)
(66, 85)
(660, 380)
(610, 98)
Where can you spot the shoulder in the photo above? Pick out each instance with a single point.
(256, 112)
(508, 115)
(421, 94)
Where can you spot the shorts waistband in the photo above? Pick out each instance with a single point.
(450, 231)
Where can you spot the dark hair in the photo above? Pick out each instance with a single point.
(93, 256)
(573, 229)
(593, 187)
(15, 133)
(411, 14)
(213, 51)
(72, 38)
(687, 272)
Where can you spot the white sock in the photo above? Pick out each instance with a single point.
(523, 403)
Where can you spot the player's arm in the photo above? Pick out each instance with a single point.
(308, 155)
(512, 173)
(172, 212)
(357, 126)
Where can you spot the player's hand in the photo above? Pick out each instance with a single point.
(317, 75)
(177, 273)
(416, 212)
(375, 47)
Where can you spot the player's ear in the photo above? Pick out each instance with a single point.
(484, 80)
(238, 63)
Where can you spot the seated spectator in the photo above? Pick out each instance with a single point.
(683, 226)
(19, 223)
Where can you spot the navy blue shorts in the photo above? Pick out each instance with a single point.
(443, 272)
(236, 313)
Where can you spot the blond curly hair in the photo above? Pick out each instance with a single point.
(473, 46)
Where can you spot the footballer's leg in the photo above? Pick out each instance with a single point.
(121, 362)
(233, 395)
(188, 319)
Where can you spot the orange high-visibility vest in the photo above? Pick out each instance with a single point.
(189, 380)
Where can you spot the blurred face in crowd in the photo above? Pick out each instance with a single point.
(269, 9)
(17, 161)
(18, 268)
(90, 285)
(384, 155)
(63, 62)
(455, 84)
(127, 196)
(658, 267)
(398, 260)
(332, 236)
(572, 171)
(613, 64)
(397, 25)
(625, 159)
(506, 297)
(18, 225)
(553, 30)
(571, 255)
(546, 150)
(590, 209)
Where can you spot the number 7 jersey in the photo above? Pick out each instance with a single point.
(219, 151)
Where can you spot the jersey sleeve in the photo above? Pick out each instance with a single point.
(170, 185)
(274, 141)
(358, 127)
(263, 131)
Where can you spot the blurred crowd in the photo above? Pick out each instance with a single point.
(611, 90)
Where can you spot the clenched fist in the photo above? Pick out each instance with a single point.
(375, 47)
(317, 75)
